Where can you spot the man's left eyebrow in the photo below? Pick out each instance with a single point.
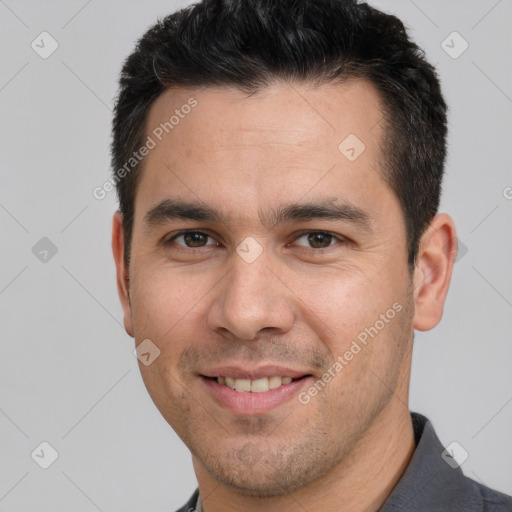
(331, 210)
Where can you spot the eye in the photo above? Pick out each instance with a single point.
(192, 239)
(318, 239)
(311, 239)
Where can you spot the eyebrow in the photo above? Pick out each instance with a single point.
(333, 209)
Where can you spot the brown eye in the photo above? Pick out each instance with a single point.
(317, 239)
(192, 239)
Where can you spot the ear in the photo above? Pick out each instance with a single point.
(433, 271)
(123, 279)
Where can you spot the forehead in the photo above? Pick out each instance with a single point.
(286, 141)
(299, 111)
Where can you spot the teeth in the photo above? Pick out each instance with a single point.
(254, 386)
(274, 382)
(259, 385)
(242, 385)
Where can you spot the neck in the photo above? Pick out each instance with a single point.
(360, 483)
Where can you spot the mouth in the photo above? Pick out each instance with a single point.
(261, 385)
(250, 396)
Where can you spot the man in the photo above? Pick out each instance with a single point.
(279, 167)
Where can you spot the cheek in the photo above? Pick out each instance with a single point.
(340, 304)
(167, 309)
(165, 300)
(359, 321)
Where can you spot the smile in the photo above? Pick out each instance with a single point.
(254, 385)
(253, 396)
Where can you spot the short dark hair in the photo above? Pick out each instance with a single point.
(248, 44)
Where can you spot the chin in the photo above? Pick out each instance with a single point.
(256, 484)
(250, 471)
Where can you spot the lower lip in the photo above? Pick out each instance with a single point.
(240, 402)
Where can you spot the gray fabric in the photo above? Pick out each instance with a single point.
(191, 505)
(199, 504)
(429, 484)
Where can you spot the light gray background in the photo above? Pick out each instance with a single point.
(68, 375)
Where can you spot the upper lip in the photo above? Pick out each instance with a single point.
(238, 372)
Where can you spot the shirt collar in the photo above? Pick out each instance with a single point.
(433, 481)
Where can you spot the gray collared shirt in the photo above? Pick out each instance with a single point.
(433, 482)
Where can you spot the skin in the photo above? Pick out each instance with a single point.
(296, 305)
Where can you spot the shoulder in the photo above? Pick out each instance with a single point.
(489, 499)
(435, 482)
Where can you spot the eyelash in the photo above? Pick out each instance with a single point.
(339, 238)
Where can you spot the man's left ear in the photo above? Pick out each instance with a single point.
(433, 271)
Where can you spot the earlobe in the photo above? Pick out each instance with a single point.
(121, 270)
(433, 271)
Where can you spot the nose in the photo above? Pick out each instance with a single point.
(251, 298)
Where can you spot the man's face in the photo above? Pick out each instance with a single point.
(254, 290)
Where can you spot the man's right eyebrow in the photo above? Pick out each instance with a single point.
(172, 209)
